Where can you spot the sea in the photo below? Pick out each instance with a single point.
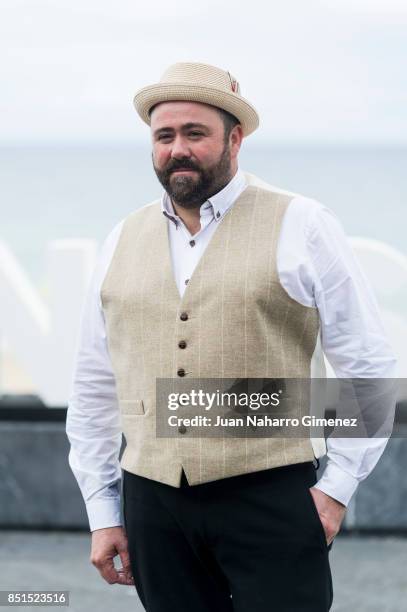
(83, 190)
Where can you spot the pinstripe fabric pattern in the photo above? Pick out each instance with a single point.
(241, 323)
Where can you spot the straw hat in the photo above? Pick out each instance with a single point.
(198, 83)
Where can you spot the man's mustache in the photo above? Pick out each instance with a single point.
(178, 165)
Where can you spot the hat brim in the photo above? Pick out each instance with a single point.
(148, 96)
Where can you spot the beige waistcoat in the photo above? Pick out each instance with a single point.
(241, 323)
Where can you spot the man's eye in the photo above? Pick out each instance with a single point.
(195, 134)
(164, 137)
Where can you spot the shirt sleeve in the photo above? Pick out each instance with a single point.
(93, 421)
(352, 336)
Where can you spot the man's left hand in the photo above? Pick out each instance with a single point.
(331, 513)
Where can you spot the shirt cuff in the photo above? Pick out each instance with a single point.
(337, 483)
(103, 513)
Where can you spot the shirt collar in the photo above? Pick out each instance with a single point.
(217, 205)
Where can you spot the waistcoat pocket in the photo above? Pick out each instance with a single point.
(129, 407)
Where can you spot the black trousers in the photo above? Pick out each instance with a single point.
(249, 543)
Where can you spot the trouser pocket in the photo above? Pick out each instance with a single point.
(318, 523)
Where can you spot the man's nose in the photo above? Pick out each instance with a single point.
(180, 148)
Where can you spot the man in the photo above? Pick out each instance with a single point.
(224, 277)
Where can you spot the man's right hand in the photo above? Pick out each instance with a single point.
(106, 544)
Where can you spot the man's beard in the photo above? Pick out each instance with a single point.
(190, 191)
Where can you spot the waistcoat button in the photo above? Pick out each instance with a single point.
(181, 372)
(183, 316)
(182, 429)
(182, 344)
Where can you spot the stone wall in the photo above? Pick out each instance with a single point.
(38, 489)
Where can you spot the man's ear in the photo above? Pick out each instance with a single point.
(235, 139)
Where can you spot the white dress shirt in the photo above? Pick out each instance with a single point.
(316, 266)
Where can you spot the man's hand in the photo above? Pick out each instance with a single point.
(106, 544)
(331, 513)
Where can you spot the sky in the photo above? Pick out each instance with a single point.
(318, 72)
